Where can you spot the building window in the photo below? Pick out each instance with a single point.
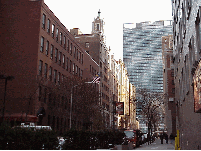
(45, 70)
(48, 25)
(76, 69)
(50, 73)
(43, 21)
(97, 26)
(77, 54)
(60, 38)
(79, 57)
(57, 34)
(56, 53)
(47, 47)
(40, 67)
(67, 63)
(74, 52)
(82, 59)
(71, 48)
(42, 44)
(51, 52)
(53, 30)
(87, 45)
(70, 66)
(81, 73)
(59, 74)
(68, 45)
(55, 76)
(63, 61)
(73, 68)
(64, 42)
(59, 58)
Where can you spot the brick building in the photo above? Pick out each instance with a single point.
(113, 82)
(42, 55)
(168, 84)
(94, 44)
(186, 58)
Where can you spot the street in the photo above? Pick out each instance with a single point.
(156, 145)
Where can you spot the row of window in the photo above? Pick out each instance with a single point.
(57, 54)
(58, 101)
(61, 38)
(57, 76)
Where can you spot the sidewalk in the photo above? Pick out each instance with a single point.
(156, 145)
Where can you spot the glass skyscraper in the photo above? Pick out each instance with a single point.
(142, 54)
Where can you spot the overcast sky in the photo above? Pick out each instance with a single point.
(81, 14)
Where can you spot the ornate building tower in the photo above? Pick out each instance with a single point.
(97, 25)
(94, 45)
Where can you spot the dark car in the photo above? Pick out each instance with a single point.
(131, 137)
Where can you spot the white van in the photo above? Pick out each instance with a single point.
(35, 127)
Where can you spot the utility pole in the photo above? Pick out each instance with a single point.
(4, 100)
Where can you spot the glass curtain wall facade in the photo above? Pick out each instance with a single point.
(142, 54)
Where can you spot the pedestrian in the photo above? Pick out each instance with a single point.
(166, 138)
(161, 137)
(171, 138)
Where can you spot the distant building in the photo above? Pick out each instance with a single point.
(113, 82)
(41, 54)
(142, 55)
(168, 84)
(126, 96)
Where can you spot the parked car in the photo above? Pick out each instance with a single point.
(130, 137)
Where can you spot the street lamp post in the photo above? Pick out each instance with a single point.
(4, 100)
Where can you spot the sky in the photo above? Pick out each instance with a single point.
(81, 13)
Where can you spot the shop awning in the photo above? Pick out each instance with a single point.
(20, 117)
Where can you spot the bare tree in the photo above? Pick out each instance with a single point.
(151, 104)
(56, 94)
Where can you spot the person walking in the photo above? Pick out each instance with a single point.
(166, 138)
(161, 137)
